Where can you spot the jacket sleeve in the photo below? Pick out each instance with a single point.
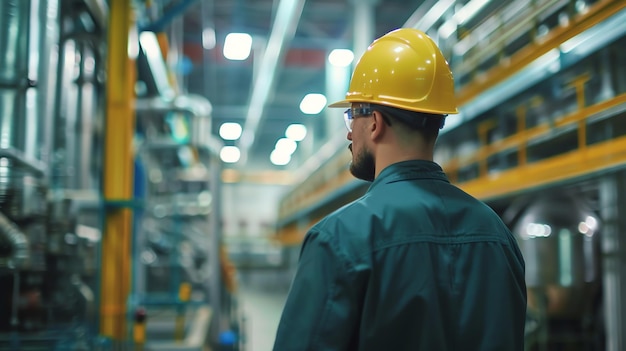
(321, 312)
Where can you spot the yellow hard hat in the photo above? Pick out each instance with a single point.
(403, 69)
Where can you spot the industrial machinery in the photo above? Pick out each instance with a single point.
(558, 235)
(81, 266)
(51, 89)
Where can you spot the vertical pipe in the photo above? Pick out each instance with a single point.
(84, 115)
(613, 204)
(118, 173)
(14, 38)
(30, 111)
(49, 58)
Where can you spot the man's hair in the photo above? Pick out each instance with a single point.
(426, 124)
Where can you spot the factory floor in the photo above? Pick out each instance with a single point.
(262, 296)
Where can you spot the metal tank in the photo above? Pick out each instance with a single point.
(558, 237)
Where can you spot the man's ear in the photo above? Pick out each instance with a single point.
(378, 126)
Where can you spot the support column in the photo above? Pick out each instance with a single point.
(338, 78)
(364, 21)
(613, 203)
(118, 174)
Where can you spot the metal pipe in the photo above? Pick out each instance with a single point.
(13, 65)
(20, 253)
(612, 205)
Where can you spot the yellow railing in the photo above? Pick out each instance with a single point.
(507, 68)
(586, 159)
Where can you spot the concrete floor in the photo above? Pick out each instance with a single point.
(262, 296)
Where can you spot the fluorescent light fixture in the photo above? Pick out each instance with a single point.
(286, 145)
(296, 132)
(208, 38)
(313, 104)
(230, 131)
(237, 46)
(279, 158)
(230, 154)
(341, 57)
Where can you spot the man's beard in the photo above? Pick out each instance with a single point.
(363, 166)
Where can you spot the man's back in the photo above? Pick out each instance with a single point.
(418, 265)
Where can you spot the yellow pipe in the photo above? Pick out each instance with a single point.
(117, 173)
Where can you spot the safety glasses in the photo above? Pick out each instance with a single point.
(361, 110)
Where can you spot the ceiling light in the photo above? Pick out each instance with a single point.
(313, 104)
(230, 131)
(230, 154)
(279, 158)
(296, 132)
(341, 57)
(285, 145)
(208, 38)
(237, 46)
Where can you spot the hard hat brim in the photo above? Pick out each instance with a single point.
(342, 103)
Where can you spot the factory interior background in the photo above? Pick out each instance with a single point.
(162, 160)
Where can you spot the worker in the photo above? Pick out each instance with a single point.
(415, 263)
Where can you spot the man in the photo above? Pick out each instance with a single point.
(416, 263)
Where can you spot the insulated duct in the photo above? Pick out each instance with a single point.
(27, 35)
(26, 55)
(13, 83)
(78, 92)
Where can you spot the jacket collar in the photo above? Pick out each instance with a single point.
(409, 170)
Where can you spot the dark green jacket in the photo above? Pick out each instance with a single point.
(414, 264)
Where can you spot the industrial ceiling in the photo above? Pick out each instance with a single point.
(291, 42)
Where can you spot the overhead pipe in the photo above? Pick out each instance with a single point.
(283, 31)
(20, 252)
